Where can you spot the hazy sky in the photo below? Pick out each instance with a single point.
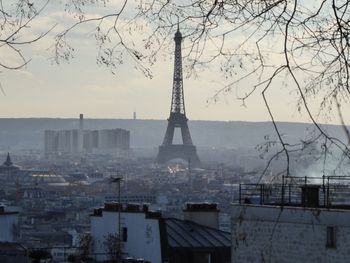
(44, 89)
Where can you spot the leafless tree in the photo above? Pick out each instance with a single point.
(294, 42)
(111, 245)
(16, 18)
(301, 44)
(86, 243)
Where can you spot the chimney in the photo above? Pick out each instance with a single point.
(81, 134)
(81, 121)
(310, 195)
(206, 214)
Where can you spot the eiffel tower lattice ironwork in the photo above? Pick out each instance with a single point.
(186, 151)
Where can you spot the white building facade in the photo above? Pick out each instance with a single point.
(8, 225)
(140, 233)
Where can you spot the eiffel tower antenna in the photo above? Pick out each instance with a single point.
(178, 23)
(177, 119)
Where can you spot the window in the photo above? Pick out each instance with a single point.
(331, 237)
(124, 234)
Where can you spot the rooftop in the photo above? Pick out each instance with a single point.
(4, 212)
(325, 191)
(187, 234)
(127, 208)
(202, 207)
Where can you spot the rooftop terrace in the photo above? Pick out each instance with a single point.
(325, 191)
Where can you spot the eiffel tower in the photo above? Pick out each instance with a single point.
(186, 151)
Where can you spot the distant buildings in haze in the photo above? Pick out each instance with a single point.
(78, 142)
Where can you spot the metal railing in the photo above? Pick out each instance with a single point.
(326, 191)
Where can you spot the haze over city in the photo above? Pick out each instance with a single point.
(188, 131)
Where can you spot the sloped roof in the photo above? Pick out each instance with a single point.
(187, 234)
(11, 246)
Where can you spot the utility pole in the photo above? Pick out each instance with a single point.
(117, 180)
(190, 174)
